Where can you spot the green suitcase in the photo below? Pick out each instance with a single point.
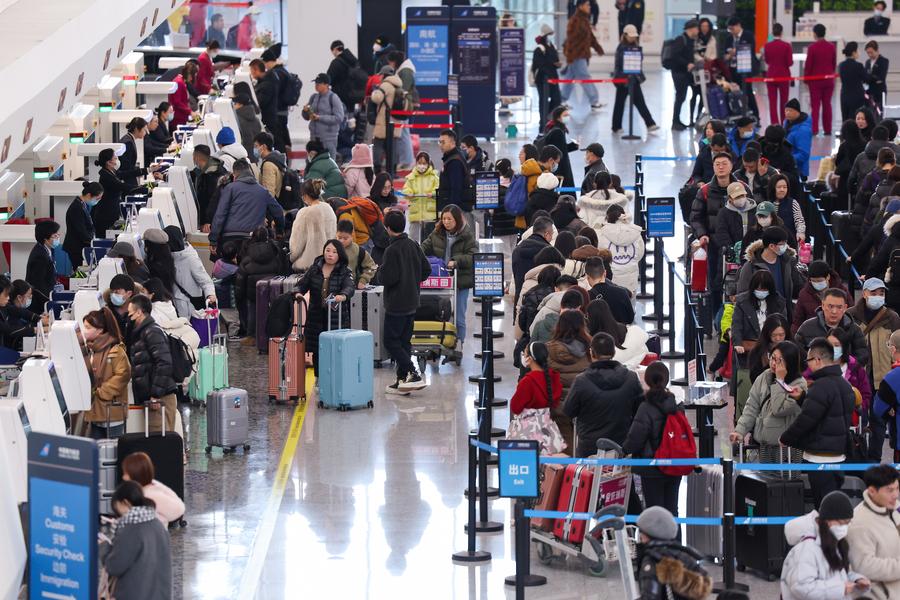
(212, 370)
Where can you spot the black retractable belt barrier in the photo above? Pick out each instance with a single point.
(728, 537)
(632, 83)
(388, 141)
(690, 337)
(487, 336)
(484, 524)
(470, 554)
(671, 352)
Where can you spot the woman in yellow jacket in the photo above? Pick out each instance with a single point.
(107, 362)
(419, 191)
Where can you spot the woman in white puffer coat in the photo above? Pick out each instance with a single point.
(592, 206)
(818, 565)
(624, 242)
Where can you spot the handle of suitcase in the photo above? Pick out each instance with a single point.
(333, 304)
(162, 408)
(108, 411)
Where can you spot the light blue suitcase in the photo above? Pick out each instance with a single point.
(346, 371)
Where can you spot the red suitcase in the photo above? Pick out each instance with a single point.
(551, 484)
(574, 496)
(287, 361)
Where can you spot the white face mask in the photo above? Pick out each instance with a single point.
(818, 285)
(781, 249)
(739, 202)
(839, 531)
(875, 302)
(421, 168)
(376, 47)
(213, 54)
(764, 221)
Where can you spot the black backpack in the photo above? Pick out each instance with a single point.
(668, 53)
(356, 84)
(280, 319)
(182, 358)
(893, 280)
(289, 196)
(290, 88)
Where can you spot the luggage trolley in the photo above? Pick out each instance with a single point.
(610, 488)
(431, 338)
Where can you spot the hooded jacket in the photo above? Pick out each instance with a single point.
(383, 96)
(313, 226)
(799, 136)
(322, 166)
(191, 280)
(545, 320)
(271, 173)
(874, 542)
(339, 73)
(791, 278)
(555, 135)
(540, 199)
(594, 204)
(206, 182)
(419, 190)
(604, 400)
(313, 282)
(575, 265)
(815, 327)
(808, 300)
(178, 327)
(626, 244)
(805, 574)
(821, 427)
(864, 163)
(744, 322)
(404, 267)
(243, 206)
(453, 182)
(266, 88)
(355, 172)
(646, 430)
(151, 362)
(260, 260)
(769, 410)
(462, 252)
(531, 169)
(140, 559)
(248, 126)
(880, 265)
(708, 203)
(877, 327)
(760, 187)
(231, 153)
(523, 260)
(634, 347)
(544, 60)
(666, 566)
(569, 359)
(734, 223)
(531, 302)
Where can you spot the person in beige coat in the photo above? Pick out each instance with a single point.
(315, 224)
(383, 97)
(874, 537)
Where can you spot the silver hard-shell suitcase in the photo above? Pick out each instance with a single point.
(227, 418)
(705, 499)
(367, 314)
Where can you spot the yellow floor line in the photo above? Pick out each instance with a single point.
(263, 538)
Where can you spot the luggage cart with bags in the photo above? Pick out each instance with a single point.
(590, 489)
(434, 328)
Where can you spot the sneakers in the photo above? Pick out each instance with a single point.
(597, 106)
(652, 128)
(679, 126)
(412, 382)
(394, 388)
(618, 131)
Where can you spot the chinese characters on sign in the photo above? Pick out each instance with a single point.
(428, 50)
(518, 468)
(488, 269)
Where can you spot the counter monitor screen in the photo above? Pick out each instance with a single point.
(60, 398)
(23, 416)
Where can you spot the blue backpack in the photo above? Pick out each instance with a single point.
(516, 195)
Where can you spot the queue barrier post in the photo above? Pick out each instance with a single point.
(671, 353)
(485, 426)
(631, 86)
(690, 337)
(471, 554)
(484, 524)
(487, 335)
(523, 577)
(728, 537)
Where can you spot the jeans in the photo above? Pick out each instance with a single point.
(639, 104)
(403, 149)
(682, 82)
(824, 482)
(462, 305)
(820, 93)
(99, 432)
(398, 330)
(578, 69)
(778, 97)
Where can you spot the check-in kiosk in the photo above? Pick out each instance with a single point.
(77, 127)
(152, 93)
(40, 389)
(42, 162)
(54, 200)
(163, 200)
(107, 268)
(225, 110)
(85, 301)
(131, 69)
(199, 136)
(149, 218)
(67, 356)
(88, 153)
(242, 74)
(14, 429)
(13, 554)
(107, 97)
(12, 192)
(214, 123)
(179, 181)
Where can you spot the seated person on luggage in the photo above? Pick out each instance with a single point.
(540, 389)
(667, 568)
(329, 277)
(360, 262)
(107, 360)
(139, 468)
(604, 399)
(40, 271)
(140, 559)
(751, 310)
(775, 330)
(597, 272)
(134, 267)
(12, 329)
(121, 289)
(151, 364)
(769, 410)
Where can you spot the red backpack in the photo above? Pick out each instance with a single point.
(677, 442)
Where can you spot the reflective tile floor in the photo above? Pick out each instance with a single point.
(369, 504)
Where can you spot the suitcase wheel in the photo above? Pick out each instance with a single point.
(246, 447)
(371, 404)
(597, 569)
(544, 553)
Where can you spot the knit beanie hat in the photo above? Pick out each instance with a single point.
(835, 507)
(225, 136)
(658, 523)
(548, 181)
(793, 103)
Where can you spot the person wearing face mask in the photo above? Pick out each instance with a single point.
(818, 565)
(831, 314)
(129, 170)
(545, 65)
(419, 191)
(556, 134)
(40, 271)
(773, 253)
(159, 138)
(272, 165)
(877, 24)
(19, 305)
(121, 289)
(737, 217)
(752, 308)
(629, 41)
(180, 98)
(853, 372)
(743, 133)
(381, 48)
(107, 211)
(877, 322)
(151, 364)
(820, 277)
(79, 225)
(107, 360)
(756, 172)
(206, 70)
(15, 322)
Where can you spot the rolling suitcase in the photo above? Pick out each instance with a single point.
(212, 369)
(346, 371)
(166, 450)
(107, 450)
(574, 496)
(705, 499)
(266, 291)
(287, 362)
(367, 314)
(551, 483)
(765, 494)
(227, 419)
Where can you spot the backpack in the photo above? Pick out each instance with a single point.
(677, 442)
(182, 358)
(356, 84)
(289, 196)
(892, 276)
(668, 53)
(290, 89)
(540, 141)
(280, 319)
(516, 196)
(370, 214)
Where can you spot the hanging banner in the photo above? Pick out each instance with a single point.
(473, 40)
(512, 61)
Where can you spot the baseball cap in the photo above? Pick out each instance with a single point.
(764, 208)
(630, 31)
(322, 78)
(873, 283)
(596, 149)
(736, 189)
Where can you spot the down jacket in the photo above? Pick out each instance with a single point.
(808, 300)
(340, 283)
(634, 348)
(875, 547)
(107, 361)
(805, 574)
(151, 362)
(791, 278)
(647, 428)
(769, 410)
(178, 327)
(816, 327)
(626, 245)
(877, 332)
(191, 280)
(383, 96)
(531, 302)
(462, 252)
(593, 206)
(821, 426)
(260, 261)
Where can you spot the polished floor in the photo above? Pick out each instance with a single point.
(369, 504)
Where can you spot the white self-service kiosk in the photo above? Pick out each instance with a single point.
(131, 237)
(77, 127)
(179, 180)
(85, 301)
(13, 553)
(152, 93)
(214, 123)
(45, 403)
(68, 358)
(225, 110)
(44, 160)
(148, 218)
(107, 268)
(131, 69)
(163, 200)
(14, 429)
(107, 96)
(12, 192)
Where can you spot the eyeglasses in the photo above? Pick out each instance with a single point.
(776, 359)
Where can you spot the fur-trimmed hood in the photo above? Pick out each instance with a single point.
(890, 223)
(756, 248)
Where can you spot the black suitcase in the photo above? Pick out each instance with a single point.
(165, 449)
(765, 494)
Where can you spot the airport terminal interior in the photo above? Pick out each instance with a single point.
(314, 501)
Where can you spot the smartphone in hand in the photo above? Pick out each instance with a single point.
(784, 386)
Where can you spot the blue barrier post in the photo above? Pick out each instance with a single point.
(470, 554)
(671, 353)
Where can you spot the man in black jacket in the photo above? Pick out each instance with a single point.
(402, 269)
(151, 364)
(820, 430)
(205, 175)
(603, 399)
(523, 255)
(266, 89)
(597, 270)
(339, 73)
(40, 271)
(454, 185)
(833, 313)
(741, 39)
(682, 65)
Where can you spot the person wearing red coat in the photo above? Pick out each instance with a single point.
(180, 100)
(779, 58)
(821, 59)
(206, 71)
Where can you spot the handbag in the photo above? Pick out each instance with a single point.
(536, 424)
(857, 449)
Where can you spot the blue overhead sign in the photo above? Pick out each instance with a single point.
(518, 467)
(63, 506)
(428, 49)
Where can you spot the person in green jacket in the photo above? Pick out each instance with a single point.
(454, 241)
(321, 165)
